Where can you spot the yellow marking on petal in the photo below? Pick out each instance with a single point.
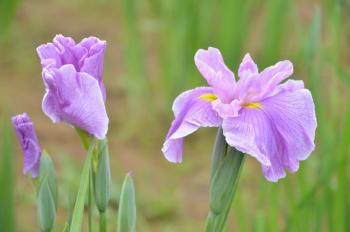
(254, 105)
(208, 97)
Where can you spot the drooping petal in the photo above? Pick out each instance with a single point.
(29, 142)
(247, 67)
(281, 133)
(75, 98)
(181, 101)
(245, 131)
(50, 106)
(191, 113)
(212, 67)
(288, 86)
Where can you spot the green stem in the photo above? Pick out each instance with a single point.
(103, 226)
(90, 202)
(78, 211)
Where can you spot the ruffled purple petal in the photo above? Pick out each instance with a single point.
(249, 88)
(68, 50)
(212, 67)
(50, 106)
(274, 75)
(247, 67)
(191, 113)
(279, 135)
(49, 56)
(29, 143)
(225, 110)
(87, 56)
(92, 61)
(288, 86)
(75, 98)
(247, 131)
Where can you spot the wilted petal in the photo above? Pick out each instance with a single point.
(282, 132)
(212, 67)
(29, 142)
(191, 112)
(75, 98)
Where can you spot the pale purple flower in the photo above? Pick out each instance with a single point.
(272, 121)
(75, 92)
(29, 142)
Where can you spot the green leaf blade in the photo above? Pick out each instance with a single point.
(127, 208)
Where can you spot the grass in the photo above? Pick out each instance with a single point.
(157, 41)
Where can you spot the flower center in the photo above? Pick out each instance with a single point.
(212, 97)
(254, 105)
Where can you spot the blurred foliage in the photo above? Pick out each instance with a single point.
(7, 13)
(7, 210)
(151, 49)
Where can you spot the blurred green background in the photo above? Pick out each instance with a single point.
(148, 62)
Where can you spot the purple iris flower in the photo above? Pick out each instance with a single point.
(272, 121)
(75, 92)
(30, 146)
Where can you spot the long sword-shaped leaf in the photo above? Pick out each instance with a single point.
(83, 188)
(225, 180)
(226, 166)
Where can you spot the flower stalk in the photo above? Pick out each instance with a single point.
(100, 181)
(90, 201)
(103, 223)
(83, 189)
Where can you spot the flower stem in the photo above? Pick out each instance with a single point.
(103, 226)
(90, 202)
(78, 210)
